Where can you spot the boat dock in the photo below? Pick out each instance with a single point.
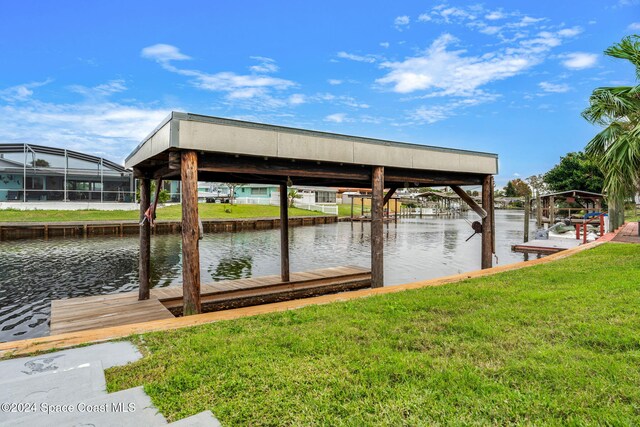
(94, 312)
(546, 247)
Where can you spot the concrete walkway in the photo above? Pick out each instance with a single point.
(68, 388)
(628, 234)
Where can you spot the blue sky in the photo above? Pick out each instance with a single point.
(506, 77)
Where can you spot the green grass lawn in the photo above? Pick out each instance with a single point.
(555, 344)
(632, 215)
(206, 210)
(345, 210)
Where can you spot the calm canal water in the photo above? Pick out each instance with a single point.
(34, 272)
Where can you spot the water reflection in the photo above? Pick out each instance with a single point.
(33, 272)
(232, 268)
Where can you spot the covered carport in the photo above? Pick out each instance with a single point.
(191, 147)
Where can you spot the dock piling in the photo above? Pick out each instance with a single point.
(190, 234)
(145, 240)
(377, 227)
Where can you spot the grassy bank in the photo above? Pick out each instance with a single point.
(206, 210)
(553, 344)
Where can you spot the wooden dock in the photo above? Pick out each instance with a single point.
(550, 246)
(80, 314)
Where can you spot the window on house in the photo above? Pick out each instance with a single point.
(325, 197)
(35, 183)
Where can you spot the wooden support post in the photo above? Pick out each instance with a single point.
(190, 234)
(377, 229)
(552, 211)
(492, 213)
(487, 226)
(284, 234)
(351, 197)
(527, 214)
(144, 267)
(395, 208)
(538, 211)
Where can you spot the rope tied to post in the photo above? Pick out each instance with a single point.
(150, 214)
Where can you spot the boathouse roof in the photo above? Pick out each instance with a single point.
(574, 193)
(234, 139)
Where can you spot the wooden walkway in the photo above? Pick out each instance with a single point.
(80, 314)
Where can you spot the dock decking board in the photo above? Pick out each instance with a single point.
(549, 246)
(100, 311)
(122, 309)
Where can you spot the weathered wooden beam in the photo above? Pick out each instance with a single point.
(393, 176)
(190, 234)
(144, 262)
(284, 233)
(166, 173)
(247, 165)
(389, 194)
(487, 226)
(377, 227)
(469, 200)
(315, 173)
(174, 160)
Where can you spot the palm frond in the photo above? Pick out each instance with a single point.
(629, 49)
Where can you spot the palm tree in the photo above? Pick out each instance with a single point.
(616, 149)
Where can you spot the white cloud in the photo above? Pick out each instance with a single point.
(163, 53)
(553, 87)
(635, 26)
(297, 99)
(267, 65)
(431, 115)
(105, 128)
(401, 21)
(570, 32)
(344, 100)
(449, 72)
(102, 90)
(452, 14)
(579, 60)
(21, 92)
(495, 15)
(227, 81)
(435, 113)
(335, 82)
(237, 87)
(336, 118)
(384, 44)
(490, 29)
(424, 17)
(359, 58)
